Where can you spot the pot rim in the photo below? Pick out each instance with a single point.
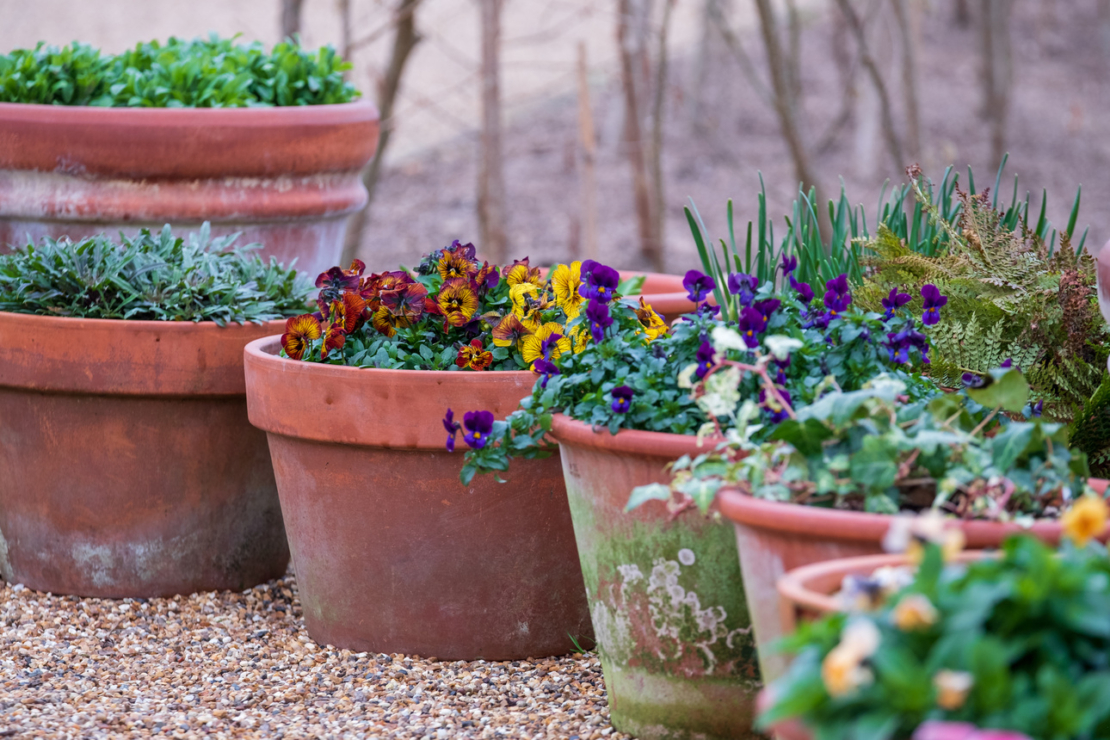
(837, 524)
(630, 441)
(147, 324)
(794, 586)
(351, 111)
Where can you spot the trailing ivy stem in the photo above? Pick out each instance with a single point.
(985, 421)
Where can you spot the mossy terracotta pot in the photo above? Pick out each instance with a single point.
(127, 465)
(774, 537)
(668, 607)
(286, 177)
(392, 553)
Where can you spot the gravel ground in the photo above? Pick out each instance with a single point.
(242, 665)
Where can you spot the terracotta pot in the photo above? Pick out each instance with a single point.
(773, 538)
(286, 177)
(127, 464)
(664, 293)
(392, 553)
(665, 592)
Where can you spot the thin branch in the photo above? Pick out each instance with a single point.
(732, 41)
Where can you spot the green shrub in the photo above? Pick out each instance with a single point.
(149, 277)
(203, 73)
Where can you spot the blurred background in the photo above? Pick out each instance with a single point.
(563, 129)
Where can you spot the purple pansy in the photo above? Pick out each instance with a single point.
(452, 428)
(767, 307)
(546, 368)
(971, 380)
(934, 301)
(805, 293)
(600, 283)
(1007, 363)
(743, 285)
(597, 313)
(779, 416)
(752, 324)
(895, 301)
(698, 285)
(705, 359)
(622, 398)
(789, 263)
(899, 345)
(1038, 408)
(548, 345)
(478, 425)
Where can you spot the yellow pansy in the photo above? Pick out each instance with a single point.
(1085, 519)
(531, 347)
(565, 282)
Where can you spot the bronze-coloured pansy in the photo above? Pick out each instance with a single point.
(300, 332)
(458, 301)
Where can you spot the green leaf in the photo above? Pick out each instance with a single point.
(1010, 443)
(876, 464)
(1009, 391)
(651, 492)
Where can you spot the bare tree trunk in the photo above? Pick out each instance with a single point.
(794, 57)
(405, 39)
(345, 22)
(785, 102)
(962, 14)
(290, 18)
(906, 17)
(650, 245)
(997, 72)
(1104, 24)
(701, 67)
(491, 166)
(732, 41)
(890, 133)
(587, 136)
(655, 158)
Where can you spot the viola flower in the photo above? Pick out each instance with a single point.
(934, 301)
(1038, 408)
(952, 688)
(654, 324)
(706, 359)
(336, 280)
(452, 428)
(520, 272)
(971, 380)
(767, 307)
(334, 339)
(372, 287)
(547, 343)
(510, 331)
(698, 285)
(529, 302)
(843, 670)
(914, 612)
(458, 301)
(789, 263)
(566, 281)
(707, 311)
(838, 284)
(836, 303)
(1007, 363)
(899, 345)
(300, 332)
(742, 285)
(597, 313)
(752, 323)
(478, 425)
(895, 301)
(546, 369)
(457, 261)
(805, 293)
(622, 398)
(774, 409)
(601, 283)
(474, 356)
(401, 308)
(1085, 520)
(487, 278)
(347, 313)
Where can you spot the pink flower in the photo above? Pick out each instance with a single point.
(962, 731)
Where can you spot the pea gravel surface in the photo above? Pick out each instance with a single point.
(241, 665)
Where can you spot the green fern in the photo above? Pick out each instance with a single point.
(1090, 432)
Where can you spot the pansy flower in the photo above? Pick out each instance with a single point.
(474, 356)
(895, 301)
(300, 332)
(529, 301)
(348, 312)
(336, 280)
(334, 339)
(546, 370)
(478, 426)
(452, 428)
(899, 345)
(752, 324)
(597, 313)
(934, 301)
(520, 272)
(487, 278)
(789, 263)
(566, 280)
(547, 343)
(509, 331)
(837, 298)
(743, 285)
(654, 324)
(457, 301)
(805, 293)
(698, 285)
(372, 287)
(400, 308)
(622, 398)
(457, 261)
(706, 359)
(601, 283)
(775, 410)
(767, 307)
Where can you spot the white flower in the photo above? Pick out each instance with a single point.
(686, 556)
(686, 376)
(952, 688)
(860, 638)
(724, 338)
(779, 346)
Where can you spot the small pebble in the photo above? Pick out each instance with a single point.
(229, 665)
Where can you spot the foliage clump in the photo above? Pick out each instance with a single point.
(202, 73)
(149, 277)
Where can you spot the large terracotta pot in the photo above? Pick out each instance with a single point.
(773, 538)
(664, 293)
(127, 464)
(666, 598)
(392, 553)
(286, 177)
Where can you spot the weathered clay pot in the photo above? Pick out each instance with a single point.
(773, 538)
(392, 553)
(286, 177)
(666, 598)
(664, 293)
(127, 464)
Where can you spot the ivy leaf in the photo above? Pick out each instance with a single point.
(876, 464)
(643, 494)
(1006, 390)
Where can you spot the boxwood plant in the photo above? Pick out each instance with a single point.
(154, 277)
(202, 73)
(1015, 645)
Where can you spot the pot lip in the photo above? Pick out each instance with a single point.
(70, 322)
(793, 586)
(354, 111)
(259, 351)
(863, 526)
(632, 441)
